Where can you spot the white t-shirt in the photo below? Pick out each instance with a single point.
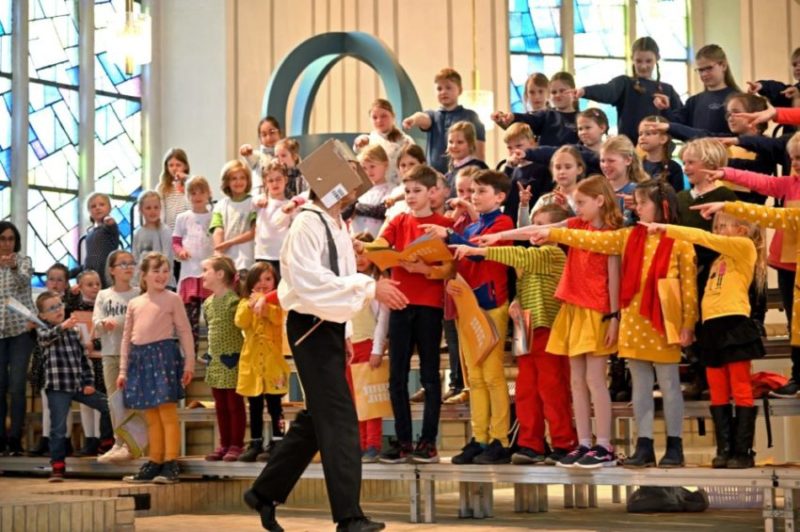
(192, 228)
(271, 228)
(235, 217)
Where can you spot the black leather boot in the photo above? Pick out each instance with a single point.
(643, 456)
(673, 457)
(723, 430)
(743, 455)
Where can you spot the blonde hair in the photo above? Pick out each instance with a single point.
(518, 130)
(144, 196)
(153, 260)
(622, 145)
(448, 74)
(292, 146)
(165, 184)
(198, 182)
(93, 196)
(224, 264)
(468, 130)
(714, 52)
(711, 152)
(596, 186)
(758, 236)
(573, 152)
(230, 168)
(793, 143)
(373, 153)
(537, 79)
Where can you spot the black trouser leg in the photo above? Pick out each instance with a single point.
(275, 412)
(256, 416)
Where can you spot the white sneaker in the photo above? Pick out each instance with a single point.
(118, 453)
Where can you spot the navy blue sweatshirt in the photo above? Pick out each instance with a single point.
(705, 110)
(535, 175)
(553, 128)
(543, 154)
(674, 172)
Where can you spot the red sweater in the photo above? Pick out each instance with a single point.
(402, 231)
(584, 282)
(788, 115)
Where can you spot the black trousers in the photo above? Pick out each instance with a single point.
(329, 423)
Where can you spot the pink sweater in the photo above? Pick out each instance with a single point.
(152, 318)
(781, 187)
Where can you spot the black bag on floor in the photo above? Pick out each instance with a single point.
(653, 499)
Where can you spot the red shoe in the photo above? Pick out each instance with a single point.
(217, 455)
(57, 474)
(233, 454)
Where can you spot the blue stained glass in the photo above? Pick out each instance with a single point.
(520, 6)
(5, 164)
(515, 25)
(7, 98)
(531, 44)
(111, 70)
(516, 44)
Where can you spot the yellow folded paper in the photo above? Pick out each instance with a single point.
(476, 332)
(427, 249)
(371, 389)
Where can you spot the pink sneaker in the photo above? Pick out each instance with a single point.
(233, 454)
(217, 455)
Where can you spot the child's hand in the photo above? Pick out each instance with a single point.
(727, 141)
(375, 361)
(360, 142)
(654, 227)
(88, 390)
(661, 101)
(108, 220)
(389, 202)
(261, 202)
(502, 119)
(559, 198)
(121, 382)
(712, 175)
(661, 127)
(578, 93)
(612, 332)
(409, 122)
(187, 377)
(358, 246)
(75, 290)
(289, 207)
(453, 289)
(69, 323)
(388, 293)
(753, 87)
(687, 337)
(184, 255)
(109, 324)
(434, 230)
(222, 246)
(708, 210)
(790, 92)
(253, 299)
(460, 251)
(260, 305)
(627, 201)
(525, 194)
(540, 235)
(515, 309)
(760, 117)
(246, 150)
(486, 240)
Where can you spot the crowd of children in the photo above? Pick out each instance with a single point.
(619, 258)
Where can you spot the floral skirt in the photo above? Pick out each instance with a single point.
(154, 375)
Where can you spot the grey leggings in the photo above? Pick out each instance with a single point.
(643, 404)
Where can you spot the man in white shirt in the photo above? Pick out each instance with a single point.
(322, 290)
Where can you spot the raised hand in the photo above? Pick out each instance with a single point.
(661, 101)
(486, 240)
(246, 150)
(753, 87)
(760, 117)
(525, 194)
(434, 230)
(460, 251)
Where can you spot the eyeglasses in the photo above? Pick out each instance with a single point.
(54, 308)
(124, 265)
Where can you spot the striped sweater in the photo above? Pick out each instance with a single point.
(539, 271)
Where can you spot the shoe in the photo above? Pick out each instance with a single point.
(233, 454)
(265, 510)
(169, 473)
(598, 456)
(118, 453)
(90, 447)
(253, 450)
(370, 456)
(643, 456)
(425, 453)
(572, 457)
(57, 473)
(459, 398)
(450, 393)
(105, 446)
(743, 454)
(468, 453)
(269, 451)
(787, 391)
(673, 456)
(15, 447)
(397, 453)
(723, 429)
(360, 524)
(418, 396)
(555, 456)
(148, 472)
(494, 453)
(217, 455)
(527, 456)
(42, 448)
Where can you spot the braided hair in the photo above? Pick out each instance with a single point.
(669, 147)
(646, 44)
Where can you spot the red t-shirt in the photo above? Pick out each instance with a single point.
(487, 276)
(402, 231)
(585, 279)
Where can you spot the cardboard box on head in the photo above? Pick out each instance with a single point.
(332, 172)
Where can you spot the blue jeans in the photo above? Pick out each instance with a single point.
(59, 412)
(15, 354)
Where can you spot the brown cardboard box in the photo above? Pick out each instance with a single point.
(331, 174)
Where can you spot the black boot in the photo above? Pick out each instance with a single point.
(15, 447)
(252, 451)
(743, 455)
(644, 456)
(723, 430)
(42, 448)
(90, 447)
(673, 457)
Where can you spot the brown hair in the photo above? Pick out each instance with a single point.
(165, 184)
(537, 79)
(44, 296)
(422, 174)
(111, 261)
(394, 135)
(667, 149)
(556, 212)
(596, 115)
(221, 263)
(198, 182)
(499, 181)
(595, 186)
(663, 195)
(622, 145)
(564, 77)
(274, 165)
(412, 150)
(254, 275)
(271, 120)
(292, 145)
(752, 103)
(374, 153)
(468, 130)
(714, 52)
(230, 168)
(518, 130)
(151, 261)
(574, 153)
(646, 44)
(448, 74)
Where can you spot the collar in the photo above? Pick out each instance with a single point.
(458, 107)
(461, 162)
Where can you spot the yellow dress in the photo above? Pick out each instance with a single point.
(637, 337)
(262, 368)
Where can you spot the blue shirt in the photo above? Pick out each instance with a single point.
(627, 214)
(441, 120)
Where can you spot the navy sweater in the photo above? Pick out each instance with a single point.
(535, 175)
(553, 128)
(705, 110)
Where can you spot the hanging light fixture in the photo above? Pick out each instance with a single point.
(132, 40)
(480, 101)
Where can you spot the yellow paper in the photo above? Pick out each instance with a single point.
(427, 249)
(669, 292)
(371, 389)
(475, 329)
(789, 244)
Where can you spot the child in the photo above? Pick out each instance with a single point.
(461, 149)
(271, 223)
(233, 220)
(778, 93)
(370, 327)
(287, 151)
(635, 96)
(368, 212)
(153, 235)
(191, 244)
(553, 127)
(269, 133)
(419, 324)
(385, 134)
(621, 166)
(586, 326)
(728, 338)
(657, 148)
(410, 156)
(567, 168)
(535, 97)
(102, 237)
(643, 341)
(263, 372)
(108, 319)
(224, 348)
(540, 390)
(68, 377)
(171, 186)
(437, 123)
(525, 175)
(152, 371)
(489, 402)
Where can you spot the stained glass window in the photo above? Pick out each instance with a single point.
(5, 108)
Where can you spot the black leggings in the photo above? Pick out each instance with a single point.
(257, 414)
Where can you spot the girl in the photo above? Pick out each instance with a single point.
(556, 126)
(368, 213)
(386, 134)
(153, 235)
(108, 318)
(647, 262)
(621, 166)
(778, 93)
(728, 338)
(635, 96)
(461, 148)
(535, 97)
(171, 186)
(233, 219)
(269, 133)
(585, 328)
(263, 372)
(191, 244)
(410, 156)
(102, 237)
(271, 223)
(152, 372)
(657, 148)
(368, 342)
(287, 151)
(568, 168)
(224, 347)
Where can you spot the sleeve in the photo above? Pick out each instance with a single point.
(216, 217)
(777, 187)
(45, 337)
(381, 332)
(184, 330)
(22, 276)
(432, 114)
(736, 247)
(675, 103)
(180, 226)
(127, 335)
(610, 92)
(774, 217)
(687, 269)
(244, 316)
(683, 132)
(136, 246)
(675, 176)
(533, 260)
(773, 148)
(252, 160)
(541, 155)
(503, 223)
(771, 90)
(788, 115)
(524, 215)
(605, 242)
(535, 120)
(98, 315)
(681, 114)
(177, 244)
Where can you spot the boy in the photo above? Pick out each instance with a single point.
(526, 176)
(419, 324)
(68, 377)
(489, 403)
(436, 123)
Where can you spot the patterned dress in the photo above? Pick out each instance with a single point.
(224, 341)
